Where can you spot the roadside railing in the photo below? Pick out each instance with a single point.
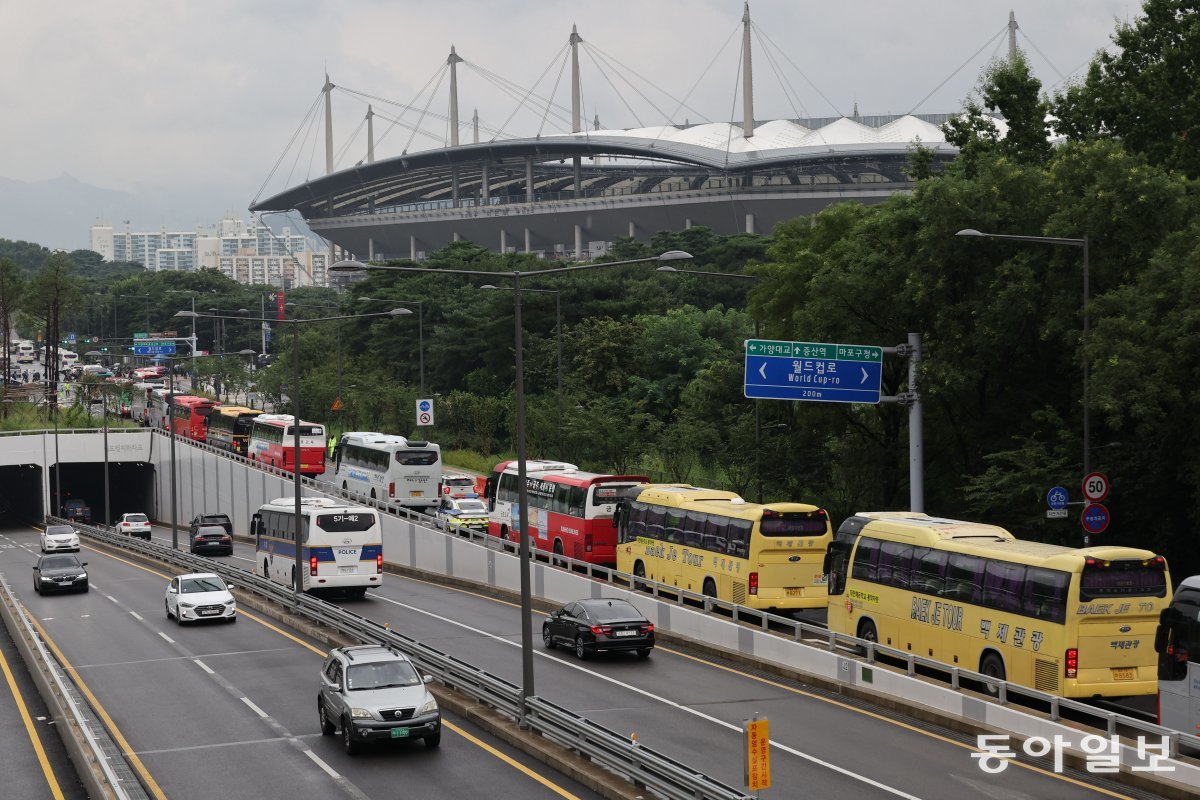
(641, 765)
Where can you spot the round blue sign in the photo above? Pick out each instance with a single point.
(1095, 518)
(1056, 498)
(424, 405)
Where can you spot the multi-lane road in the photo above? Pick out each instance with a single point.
(232, 707)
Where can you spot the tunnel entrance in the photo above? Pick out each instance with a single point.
(21, 500)
(130, 488)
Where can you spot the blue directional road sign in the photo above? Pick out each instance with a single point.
(154, 348)
(829, 373)
(1056, 498)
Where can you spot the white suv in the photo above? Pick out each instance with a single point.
(373, 692)
(455, 484)
(134, 525)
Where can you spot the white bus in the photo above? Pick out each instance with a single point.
(24, 352)
(407, 472)
(67, 359)
(341, 546)
(1177, 642)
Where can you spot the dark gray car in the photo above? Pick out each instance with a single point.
(60, 573)
(211, 539)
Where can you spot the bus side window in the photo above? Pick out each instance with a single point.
(673, 526)
(1002, 585)
(716, 533)
(655, 516)
(836, 560)
(894, 561)
(256, 525)
(928, 566)
(738, 538)
(575, 500)
(866, 559)
(1045, 595)
(693, 528)
(964, 578)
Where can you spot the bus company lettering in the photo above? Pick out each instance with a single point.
(935, 612)
(864, 597)
(1104, 608)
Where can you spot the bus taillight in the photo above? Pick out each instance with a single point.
(379, 563)
(392, 489)
(1072, 662)
(753, 583)
(587, 542)
(312, 565)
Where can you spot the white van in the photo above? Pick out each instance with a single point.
(25, 352)
(67, 359)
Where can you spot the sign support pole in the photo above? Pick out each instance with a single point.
(916, 429)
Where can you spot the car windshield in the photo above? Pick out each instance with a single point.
(459, 482)
(135, 518)
(205, 583)
(472, 505)
(381, 675)
(60, 530)
(210, 530)
(215, 518)
(59, 562)
(612, 610)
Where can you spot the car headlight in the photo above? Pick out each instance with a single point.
(360, 713)
(186, 605)
(429, 707)
(231, 603)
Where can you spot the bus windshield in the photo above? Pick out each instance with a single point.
(416, 458)
(792, 523)
(1122, 579)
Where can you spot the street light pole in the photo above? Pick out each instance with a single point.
(527, 688)
(1064, 242)
(171, 425)
(104, 427)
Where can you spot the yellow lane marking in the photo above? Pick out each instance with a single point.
(147, 778)
(474, 740)
(30, 730)
(512, 762)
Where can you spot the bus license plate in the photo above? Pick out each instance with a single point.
(399, 733)
(347, 570)
(795, 591)
(1124, 673)
(416, 494)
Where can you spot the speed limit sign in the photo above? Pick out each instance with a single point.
(1095, 487)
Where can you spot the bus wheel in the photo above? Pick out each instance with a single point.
(992, 666)
(266, 569)
(558, 551)
(372, 494)
(710, 587)
(867, 632)
(639, 571)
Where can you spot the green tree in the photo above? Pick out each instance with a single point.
(12, 285)
(1147, 92)
(1009, 89)
(51, 290)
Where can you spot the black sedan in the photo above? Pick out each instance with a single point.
(596, 624)
(60, 573)
(211, 539)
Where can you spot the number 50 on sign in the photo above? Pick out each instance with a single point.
(757, 754)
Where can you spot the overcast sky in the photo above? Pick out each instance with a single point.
(203, 98)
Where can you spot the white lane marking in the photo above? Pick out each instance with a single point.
(316, 760)
(110, 597)
(652, 696)
(253, 707)
(168, 638)
(203, 666)
(135, 615)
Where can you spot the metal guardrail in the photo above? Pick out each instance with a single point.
(642, 765)
(100, 749)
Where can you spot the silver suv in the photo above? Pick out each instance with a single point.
(373, 692)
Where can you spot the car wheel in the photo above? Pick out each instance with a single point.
(348, 743)
(547, 637)
(581, 650)
(327, 726)
(433, 740)
(167, 608)
(644, 652)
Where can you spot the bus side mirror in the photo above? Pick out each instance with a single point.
(1161, 635)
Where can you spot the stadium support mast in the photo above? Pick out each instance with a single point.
(453, 60)
(576, 124)
(747, 77)
(1012, 35)
(328, 90)
(370, 135)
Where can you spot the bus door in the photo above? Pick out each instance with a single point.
(489, 491)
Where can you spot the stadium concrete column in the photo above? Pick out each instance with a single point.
(327, 89)
(747, 77)
(475, 126)
(528, 249)
(578, 243)
(528, 184)
(370, 248)
(749, 223)
(632, 229)
(412, 248)
(687, 223)
(484, 186)
(503, 241)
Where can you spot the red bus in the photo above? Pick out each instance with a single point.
(189, 416)
(571, 512)
(272, 442)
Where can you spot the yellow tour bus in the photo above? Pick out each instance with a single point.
(715, 543)
(1070, 622)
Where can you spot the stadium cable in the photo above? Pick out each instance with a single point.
(515, 90)
(398, 120)
(616, 91)
(683, 102)
(557, 80)
(799, 71)
(788, 89)
(1002, 32)
(288, 147)
(337, 159)
(1061, 77)
(732, 106)
(522, 102)
(611, 60)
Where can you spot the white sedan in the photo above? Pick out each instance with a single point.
(134, 525)
(198, 596)
(59, 537)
